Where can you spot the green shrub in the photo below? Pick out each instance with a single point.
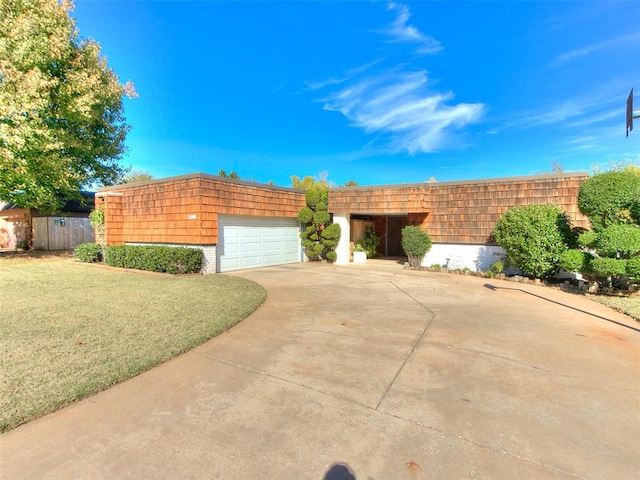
(155, 258)
(575, 261)
(605, 196)
(608, 267)
(415, 243)
(587, 239)
(619, 241)
(633, 267)
(534, 236)
(370, 242)
(496, 267)
(305, 215)
(88, 252)
(331, 256)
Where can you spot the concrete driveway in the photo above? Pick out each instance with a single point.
(368, 372)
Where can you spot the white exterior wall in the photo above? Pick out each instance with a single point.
(456, 256)
(208, 259)
(343, 250)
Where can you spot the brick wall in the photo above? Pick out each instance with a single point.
(184, 210)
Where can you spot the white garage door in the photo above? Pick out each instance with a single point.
(251, 242)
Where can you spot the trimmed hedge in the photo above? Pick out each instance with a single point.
(155, 258)
(633, 268)
(608, 267)
(619, 241)
(88, 252)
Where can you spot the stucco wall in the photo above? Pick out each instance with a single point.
(456, 256)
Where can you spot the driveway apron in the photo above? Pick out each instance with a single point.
(368, 372)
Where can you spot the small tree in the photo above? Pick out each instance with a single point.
(415, 243)
(534, 237)
(320, 237)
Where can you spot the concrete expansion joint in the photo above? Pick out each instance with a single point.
(249, 369)
(486, 446)
(348, 335)
(413, 347)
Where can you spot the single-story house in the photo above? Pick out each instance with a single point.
(63, 231)
(242, 225)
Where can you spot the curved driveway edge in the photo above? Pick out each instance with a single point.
(368, 373)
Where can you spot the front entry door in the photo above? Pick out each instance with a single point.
(394, 235)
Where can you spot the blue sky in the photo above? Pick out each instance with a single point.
(377, 92)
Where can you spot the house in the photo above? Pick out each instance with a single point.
(21, 227)
(242, 225)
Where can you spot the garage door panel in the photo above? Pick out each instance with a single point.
(251, 242)
(250, 247)
(273, 246)
(248, 233)
(251, 262)
(271, 232)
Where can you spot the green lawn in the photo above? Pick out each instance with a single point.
(69, 330)
(628, 305)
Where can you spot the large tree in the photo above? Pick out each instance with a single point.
(62, 126)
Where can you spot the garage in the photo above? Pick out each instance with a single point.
(252, 242)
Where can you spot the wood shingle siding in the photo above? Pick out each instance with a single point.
(463, 212)
(184, 210)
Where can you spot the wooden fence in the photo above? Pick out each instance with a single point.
(61, 233)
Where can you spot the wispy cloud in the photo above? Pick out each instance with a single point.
(399, 104)
(395, 101)
(582, 110)
(400, 32)
(583, 51)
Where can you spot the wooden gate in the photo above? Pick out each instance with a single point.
(61, 233)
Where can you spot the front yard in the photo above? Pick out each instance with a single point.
(628, 305)
(69, 330)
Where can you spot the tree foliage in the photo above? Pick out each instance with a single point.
(611, 198)
(308, 182)
(136, 176)
(232, 174)
(62, 125)
(320, 237)
(534, 237)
